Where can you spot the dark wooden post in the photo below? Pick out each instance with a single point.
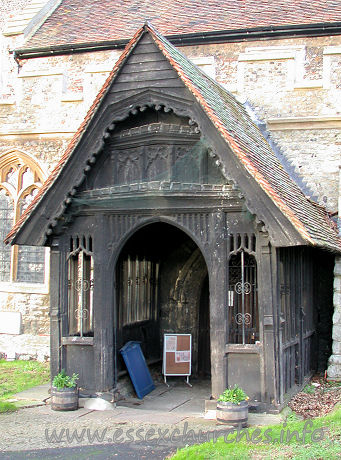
(300, 312)
(103, 310)
(217, 279)
(57, 260)
(278, 284)
(266, 312)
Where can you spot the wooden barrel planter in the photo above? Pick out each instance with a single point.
(64, 399)
(233, 414)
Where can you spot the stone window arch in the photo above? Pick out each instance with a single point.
(20, 179)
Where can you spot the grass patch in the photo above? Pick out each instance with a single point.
(7, 406)
(286, 441)
(16, 376)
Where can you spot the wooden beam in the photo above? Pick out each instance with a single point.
(55, 326)
(266, 313)
(103, 309)
(217, 280)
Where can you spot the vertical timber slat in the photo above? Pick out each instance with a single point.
(55, 337)
(103, 311)
(265, 299)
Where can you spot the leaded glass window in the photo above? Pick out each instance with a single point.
(20, 180)
(31, 267)
(6, 222)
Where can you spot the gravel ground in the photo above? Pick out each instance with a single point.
(40, 428)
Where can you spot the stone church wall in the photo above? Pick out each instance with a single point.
(291, 86)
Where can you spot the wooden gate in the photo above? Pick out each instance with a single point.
(296, 316)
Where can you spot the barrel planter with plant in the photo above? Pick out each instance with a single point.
(233, 407)
(64, 392)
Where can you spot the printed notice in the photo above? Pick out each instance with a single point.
(171, 342)
(182, 356)
(177, 355)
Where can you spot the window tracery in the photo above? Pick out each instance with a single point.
(20, 179)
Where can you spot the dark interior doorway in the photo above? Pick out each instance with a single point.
(162, 286)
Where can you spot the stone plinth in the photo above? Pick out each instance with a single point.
(334, 367)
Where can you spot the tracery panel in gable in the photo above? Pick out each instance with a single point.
(158, 162)
(128, 165)
(155, 145)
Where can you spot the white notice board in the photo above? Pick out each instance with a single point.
(177, 355)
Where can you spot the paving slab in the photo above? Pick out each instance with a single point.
(112, 416)
(178, 397)
(193, 406)
(127, 415)
(164, 405)
(151, 417)
(24, 403)
(38, 393)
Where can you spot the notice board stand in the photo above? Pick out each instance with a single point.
(177, 356)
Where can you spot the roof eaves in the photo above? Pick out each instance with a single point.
(187, 39)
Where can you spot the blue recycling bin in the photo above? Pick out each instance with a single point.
(137, 368)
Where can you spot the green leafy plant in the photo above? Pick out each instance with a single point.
(309, 389)
(233, 395)
(62, 380)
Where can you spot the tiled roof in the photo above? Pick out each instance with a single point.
(84, 21)
(19, 22)
(240, 133)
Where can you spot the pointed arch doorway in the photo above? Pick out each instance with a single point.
(162, 286)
